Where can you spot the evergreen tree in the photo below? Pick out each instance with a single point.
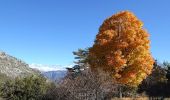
(81, 62)
(167, 66)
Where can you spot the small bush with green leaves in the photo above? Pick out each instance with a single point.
(28, 88)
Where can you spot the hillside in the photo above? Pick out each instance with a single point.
(11, 67)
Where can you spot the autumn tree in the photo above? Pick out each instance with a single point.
(122, 47)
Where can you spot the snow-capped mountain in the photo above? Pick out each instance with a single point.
(46, 68)
(52, 72)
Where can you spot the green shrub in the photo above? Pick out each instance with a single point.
(28, 88)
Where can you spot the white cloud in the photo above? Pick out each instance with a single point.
(45, 68)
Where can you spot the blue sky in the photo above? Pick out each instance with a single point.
(47, 31)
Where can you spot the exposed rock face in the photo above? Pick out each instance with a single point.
(13, 67)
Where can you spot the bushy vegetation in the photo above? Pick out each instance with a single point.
(157, 84)
(28, 88)
(3, 78)
(81, 83)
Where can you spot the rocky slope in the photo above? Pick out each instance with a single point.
(13, 67)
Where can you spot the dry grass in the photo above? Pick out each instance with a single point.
(141, 98)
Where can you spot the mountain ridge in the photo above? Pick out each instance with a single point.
(13, 67)
(51, 72)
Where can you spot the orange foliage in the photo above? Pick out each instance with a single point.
(122, 47)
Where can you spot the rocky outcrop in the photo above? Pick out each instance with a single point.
(13, 67)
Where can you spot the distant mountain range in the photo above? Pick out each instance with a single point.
(55, 75)
(52, 72)
(46, 68)
(11, 67)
